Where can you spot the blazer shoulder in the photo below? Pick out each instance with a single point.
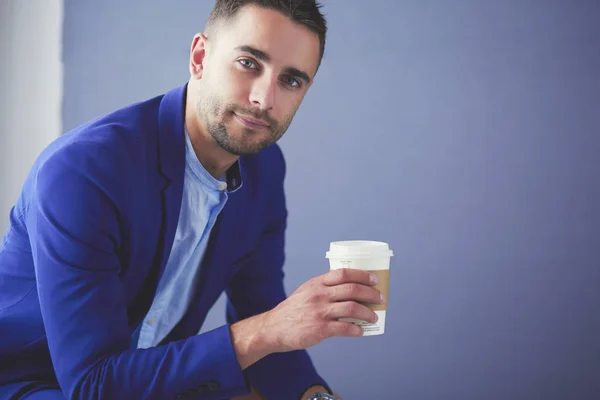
(113, 140)
(109, 152)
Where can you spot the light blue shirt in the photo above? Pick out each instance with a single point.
(203, 199)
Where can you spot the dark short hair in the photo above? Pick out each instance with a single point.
(304, 12)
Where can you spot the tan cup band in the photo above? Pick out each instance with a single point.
(383, 286)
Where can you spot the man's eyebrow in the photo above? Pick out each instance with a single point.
(261, 55)
(264, 57)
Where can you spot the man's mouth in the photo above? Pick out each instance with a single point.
(251, 122)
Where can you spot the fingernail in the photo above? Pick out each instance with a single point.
(381, 298)
(374, 279)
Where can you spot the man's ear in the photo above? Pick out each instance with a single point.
(197, 55)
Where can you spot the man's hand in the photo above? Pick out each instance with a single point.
(309, 316)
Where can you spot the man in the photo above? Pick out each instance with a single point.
(129, 227)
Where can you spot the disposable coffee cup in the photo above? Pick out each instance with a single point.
(369, 256)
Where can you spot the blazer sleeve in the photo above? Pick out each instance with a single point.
(258, 287)
(75, 224)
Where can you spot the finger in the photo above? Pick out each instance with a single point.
(351, 309)
(349, 275)
(339, 328)
(355, 292)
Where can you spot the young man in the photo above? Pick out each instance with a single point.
(128, 229)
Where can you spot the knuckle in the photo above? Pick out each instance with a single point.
(351, 289)
(353, 308)
(310, 296)
(315, 296)
(324, 313)
(343, 292)
(342, 274)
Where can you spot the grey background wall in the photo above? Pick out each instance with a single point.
(466, 134)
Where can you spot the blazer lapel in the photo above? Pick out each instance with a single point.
(171, 153)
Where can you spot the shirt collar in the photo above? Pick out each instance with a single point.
(233, 176)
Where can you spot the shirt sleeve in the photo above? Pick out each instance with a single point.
(76, 224)
(258, 287)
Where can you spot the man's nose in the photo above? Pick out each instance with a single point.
(262, 95)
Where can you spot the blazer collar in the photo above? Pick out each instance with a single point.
(171, 145)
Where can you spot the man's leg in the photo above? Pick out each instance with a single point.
(50, 394)
(41, 391)
(252, 396)
(31, 391)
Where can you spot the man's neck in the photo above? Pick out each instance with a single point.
(212, 157)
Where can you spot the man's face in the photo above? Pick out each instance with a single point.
(255, 73)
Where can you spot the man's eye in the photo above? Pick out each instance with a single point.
(291, 82)
(247, 63)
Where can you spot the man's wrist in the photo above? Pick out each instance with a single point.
(249, 343)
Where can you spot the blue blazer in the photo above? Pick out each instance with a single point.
(88, 240)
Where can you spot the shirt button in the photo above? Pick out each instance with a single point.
(151, 321)
(222, 186)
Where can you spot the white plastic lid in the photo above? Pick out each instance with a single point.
(358, 249)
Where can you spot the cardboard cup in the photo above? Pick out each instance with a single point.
(369, 256)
